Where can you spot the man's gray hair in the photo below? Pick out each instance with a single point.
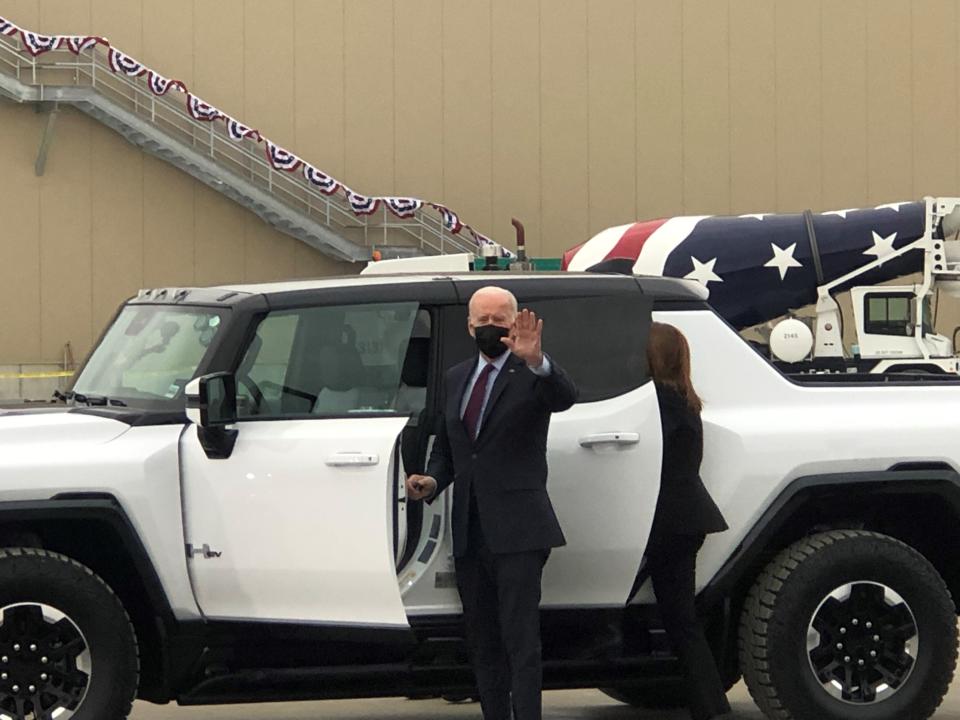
(495, 290)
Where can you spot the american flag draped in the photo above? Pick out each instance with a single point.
(758, 267)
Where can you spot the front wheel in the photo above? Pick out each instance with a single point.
(848, 625)
(67, 647)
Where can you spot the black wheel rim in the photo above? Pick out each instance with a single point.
(862, 642)
(45, 666)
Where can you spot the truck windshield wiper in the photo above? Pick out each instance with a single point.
(91, 400)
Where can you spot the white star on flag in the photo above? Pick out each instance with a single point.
(703, 272)
(841, 213)
(783, 259)
(758, 216)
(882, 246)
(891, 206)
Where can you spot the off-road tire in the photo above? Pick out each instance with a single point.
(781, 605)
(31, 576)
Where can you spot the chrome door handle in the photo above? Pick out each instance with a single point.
(352, 459)
(610, 438)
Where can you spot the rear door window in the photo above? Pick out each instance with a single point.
(600, 340)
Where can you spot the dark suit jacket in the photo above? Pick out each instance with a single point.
(684, 505)
(506, 467)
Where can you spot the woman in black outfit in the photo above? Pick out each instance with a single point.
(685, 514)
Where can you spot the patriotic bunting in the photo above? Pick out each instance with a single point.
(39, 44)
(403, 207)
(238, 131)
(450, 221)
(282, 159)
(361, 204)
(122, 64)
(199, 110)
(159, 85)
(81, 43)
(479, 238)
(327, 185)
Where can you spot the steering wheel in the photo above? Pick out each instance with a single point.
(259, 403)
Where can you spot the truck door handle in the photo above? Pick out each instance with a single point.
(352, 459)
(610, 438)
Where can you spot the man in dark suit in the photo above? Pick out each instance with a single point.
(493, 442)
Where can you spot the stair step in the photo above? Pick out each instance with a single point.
(282, 212)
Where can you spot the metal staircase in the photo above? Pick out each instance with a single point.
(240, 169)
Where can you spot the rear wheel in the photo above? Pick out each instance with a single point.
(848, 625)
(67, 647)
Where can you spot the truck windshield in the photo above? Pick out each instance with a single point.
(149, 354)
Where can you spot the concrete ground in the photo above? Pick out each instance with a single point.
(558, 705)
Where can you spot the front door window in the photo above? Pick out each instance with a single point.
(334, 361)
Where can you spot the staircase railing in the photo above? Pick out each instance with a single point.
(46, 65)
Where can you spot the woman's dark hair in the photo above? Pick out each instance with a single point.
(668, 356)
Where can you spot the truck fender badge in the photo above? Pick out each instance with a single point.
(204, 551)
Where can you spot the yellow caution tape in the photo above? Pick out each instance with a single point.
(36, 375)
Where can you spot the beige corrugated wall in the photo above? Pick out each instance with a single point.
(572, 115)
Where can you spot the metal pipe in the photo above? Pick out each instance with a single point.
(521, 245)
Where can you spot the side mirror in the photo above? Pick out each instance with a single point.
(212, 400)
(211, 406)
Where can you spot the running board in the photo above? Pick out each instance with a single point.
(329, 683)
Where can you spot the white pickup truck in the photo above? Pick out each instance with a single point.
(216, 514)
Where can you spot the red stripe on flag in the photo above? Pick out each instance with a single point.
(631, 243)
(568, 256)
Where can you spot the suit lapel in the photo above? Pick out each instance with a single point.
(506, 374)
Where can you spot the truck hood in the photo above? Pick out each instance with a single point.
(56, 426)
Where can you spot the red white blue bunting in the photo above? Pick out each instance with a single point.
(327, 185)
(81, 43)
(159, 85)
(124, 64)
(450, 220)
(361, 204)
(281, 159)
(38, 44)
(479, 238)
(199, 110)
(403, 207)
(239, 131)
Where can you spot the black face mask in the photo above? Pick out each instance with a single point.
(488, 339)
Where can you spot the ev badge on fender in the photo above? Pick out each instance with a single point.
(204, 551)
